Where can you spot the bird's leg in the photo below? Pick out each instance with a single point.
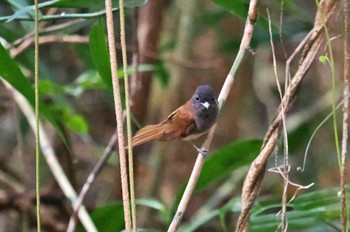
(203, 152)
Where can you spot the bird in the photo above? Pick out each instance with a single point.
(188, 122)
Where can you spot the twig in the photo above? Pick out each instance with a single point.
(344, 148)
(37, 116)
(247, 35)
(128, 114)
(119, 114)
(51, 160)
(253, 181)
(285, 134)
(59, 16)
(105, 156)
(44, 30)
(48, 39)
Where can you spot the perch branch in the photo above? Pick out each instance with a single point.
(247, 35)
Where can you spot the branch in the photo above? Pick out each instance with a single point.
(119, 114)
(311, 45)
(245, 43)
(344, 152)
(51, 159)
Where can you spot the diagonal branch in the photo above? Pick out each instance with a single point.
(312, 43)
(245, 44)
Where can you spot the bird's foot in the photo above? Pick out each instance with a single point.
(204, 153)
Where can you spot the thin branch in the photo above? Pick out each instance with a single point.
(128, 114)
(51, 159)
(61, 16)
(344, 148)
(48, 39)
(245, 43)
(285, 134)
(37, 116)
(91, 178)
(119, 114)
(253, 181)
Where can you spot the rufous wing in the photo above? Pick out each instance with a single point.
(179, 124)
(147, 134)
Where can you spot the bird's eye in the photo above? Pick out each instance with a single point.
(213, 99)
(197, 98)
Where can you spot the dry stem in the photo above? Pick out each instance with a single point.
(119, 115)
(344, 153)
(311, 45)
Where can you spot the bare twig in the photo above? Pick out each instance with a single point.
(128, 115)
(105, 156)
(51, 160)
(344, 148)
(37, 116)
(48, 39)
(285, 134)
(253, 181)
(247, 35)
(119, 114)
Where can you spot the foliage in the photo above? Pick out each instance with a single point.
(75, 99)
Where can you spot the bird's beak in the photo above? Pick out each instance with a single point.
(205, 104)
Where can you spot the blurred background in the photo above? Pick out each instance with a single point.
(176, 46)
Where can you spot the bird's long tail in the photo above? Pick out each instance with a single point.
(147, 133)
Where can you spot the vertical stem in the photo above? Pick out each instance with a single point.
(344, 212)
(37, 125)
(128, 117)
(119, 116)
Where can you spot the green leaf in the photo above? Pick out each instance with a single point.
(307, 211)
(151, 203)
(323, 59)
(237, 7)
(13, 75)
(76, 123)
(107, 218)
(99, 52)
(48, 87)
(90, 79)
(240, 9)
(223, 161)
(141, 68)
(28, 10)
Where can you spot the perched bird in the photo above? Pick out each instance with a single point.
(188, 122)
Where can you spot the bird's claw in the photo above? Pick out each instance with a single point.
(204, 153)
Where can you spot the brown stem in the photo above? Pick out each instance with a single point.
(253, 181)
(344, 154)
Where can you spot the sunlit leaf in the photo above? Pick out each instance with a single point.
(76, 123)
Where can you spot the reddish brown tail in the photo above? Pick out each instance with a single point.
(146, 134)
